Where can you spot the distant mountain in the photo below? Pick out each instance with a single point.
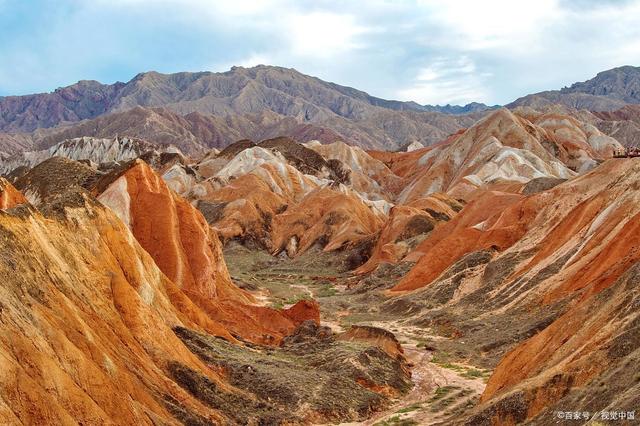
(621, 83)
(192, 133)
(203, 110)
(607, 91)
(239, 96)
(458, 109)
(622, 124)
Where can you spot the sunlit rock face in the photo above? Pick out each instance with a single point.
(94, 150)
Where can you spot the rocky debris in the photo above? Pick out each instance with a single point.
(302, 158)
(54, 178)
(540, 184)
(235, 148)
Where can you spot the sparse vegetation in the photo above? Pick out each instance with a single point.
(326, 290)
(441, 392)
(442, 359)
(410, 408)
(396, 421)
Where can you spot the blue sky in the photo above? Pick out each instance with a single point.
(430, 51)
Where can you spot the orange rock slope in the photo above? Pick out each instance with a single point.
(92, 285)
(178, 238)
(574, 247)
(368, 175)
(406, 225)
(500, 147)
(326, 217)
(274, 205)
(503, 147)
(104, 321)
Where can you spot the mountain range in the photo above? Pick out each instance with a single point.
(197, 111)
(234, 103)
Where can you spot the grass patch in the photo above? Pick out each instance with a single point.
(426, 345)
(359, 318)
(326, 290)
(396, 421)
(278, 305)
(441, 392)
(441, 357)
(295, 299)
(410, 408)
(473, 373)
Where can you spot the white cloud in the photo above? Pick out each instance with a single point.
(447, 80)
(476, 25)
(253, 60)
(323, 34)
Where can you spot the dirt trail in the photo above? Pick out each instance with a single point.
(421, 404)
(439, 392)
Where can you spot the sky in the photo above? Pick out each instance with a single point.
(428, 51)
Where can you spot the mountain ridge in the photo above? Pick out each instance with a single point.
(608, 90)
(204, 110)
(354, 115)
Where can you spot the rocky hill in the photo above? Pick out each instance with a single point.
(609, 90)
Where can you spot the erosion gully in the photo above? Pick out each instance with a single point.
(443, 390)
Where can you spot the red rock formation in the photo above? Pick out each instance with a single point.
(175, 234)
(178, 238)
(303, 311)
(574, 248)
(367, 175)
(325, 216)
(485, 223)
(9, 196)
(379, 337)
(406, 222)
(407, 164)
(500, 147)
